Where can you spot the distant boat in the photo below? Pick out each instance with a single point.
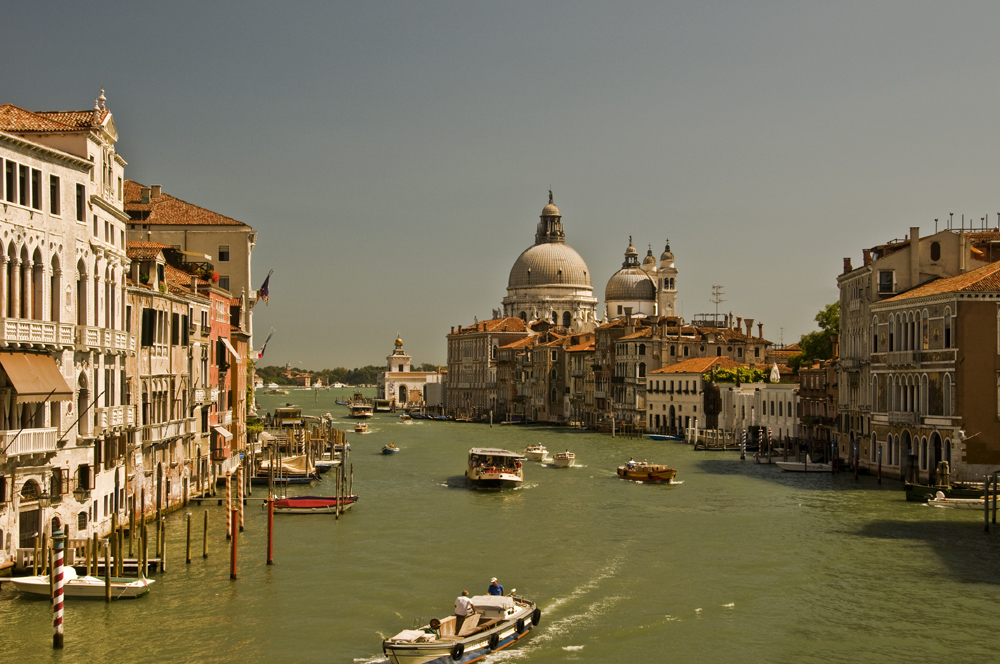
(390, 448)
(493, 468)
(642, 471)
(807, 466)
(563, 459)
(361, 427)
(940, 500)
(313, 504)
(406, 419)
(360, 407)
(343, 402)
(536, 452)
(658, 436)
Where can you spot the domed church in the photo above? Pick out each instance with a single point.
(646, 289)
(550, 281)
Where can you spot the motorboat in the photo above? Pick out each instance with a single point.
(313, 504)
(643, 471)
(361, 427)
(941, 500)
(406, 419)
(498, 622)
(563, 459)
(536, 452)
(326, 465)
(807, 466)
(75, 585)
(390, 448)
(660, 436)
(494, 468)
(921, 493)
(360, 407)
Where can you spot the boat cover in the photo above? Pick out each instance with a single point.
(310, 502)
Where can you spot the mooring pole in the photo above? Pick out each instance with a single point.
(234, 526)
(188, 556)
(270, 532)
(59, 546)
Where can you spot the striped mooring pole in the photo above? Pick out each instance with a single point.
(229, 506)
(59, 547)
(242, 478)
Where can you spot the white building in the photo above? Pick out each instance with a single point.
(66, 419)
(403, 387)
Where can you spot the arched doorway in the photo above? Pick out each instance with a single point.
(906, 461)
(673, 420)
(402, 394)
(936, 455)
(29, 520)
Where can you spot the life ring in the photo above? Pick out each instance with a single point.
(520, 625)
(457, 651)
(494, 641)
(536, 616)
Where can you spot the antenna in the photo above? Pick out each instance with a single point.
(717, 300)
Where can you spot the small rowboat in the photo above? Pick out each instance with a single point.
(646, 472)
(390, 448)
(82, 586)
(313, 504)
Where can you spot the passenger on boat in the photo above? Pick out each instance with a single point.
(495, 588)
(631, 462)
(463, 609)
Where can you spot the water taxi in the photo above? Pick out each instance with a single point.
(536, 452)
(406, 418)
(82, 586)
(643, 471)
(498, 621)
(361, 427)
(563, 459)
(494, 468)
(360, 407)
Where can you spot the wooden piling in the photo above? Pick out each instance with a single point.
(188, 557)
(107, 572)
(44, 554)
(204, 542)
(163, 546)
(95, 550)
(229, 506)
(233, 547)
(270, 532)
(131, 529)
(34, 557)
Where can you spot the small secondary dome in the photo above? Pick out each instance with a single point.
(667, 255)
(631, 283)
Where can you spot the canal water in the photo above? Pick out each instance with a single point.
(737, 562)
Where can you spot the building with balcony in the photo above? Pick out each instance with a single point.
(473, 352)
(65, 416)
(935, 378)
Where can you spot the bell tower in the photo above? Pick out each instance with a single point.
(398, 361)
(666, 284)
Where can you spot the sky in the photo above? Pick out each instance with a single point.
(394, 157)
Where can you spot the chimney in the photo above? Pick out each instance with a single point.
(628, 315)
(194, 283)
(453, 329)
(739, 323)
(156, 190)
(135, 272)
(868, 256)
(847, 264)
(749, 324)
(144, 195)
(760, 330)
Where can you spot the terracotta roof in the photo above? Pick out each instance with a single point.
(645, 333)
(587, 345)
(984, 279)
(167, 209)
(180, 281)
(144, 251)
(495, 325)
(526, 342)
(14, 119)
(699, 365)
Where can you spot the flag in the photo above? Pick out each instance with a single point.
(260, 354)
(262, 294)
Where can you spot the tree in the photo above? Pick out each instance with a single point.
(818, 345)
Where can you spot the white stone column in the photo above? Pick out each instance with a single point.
(15, 289)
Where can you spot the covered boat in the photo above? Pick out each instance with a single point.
(563, 459)
(494, 468)
(82, 586)
(313, 504)
(643, 471)
(499, 621)
(360, 407)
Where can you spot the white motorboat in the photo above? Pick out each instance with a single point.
(807, 466)
(563, 459)
(493, 468)
(940, 500)
(536, 452)
(499, 621)
(82, 586)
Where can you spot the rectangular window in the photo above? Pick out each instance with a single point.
(81, 203)
(223, 253)
(224, 281)
(184, 330)
(96, 234)
(148, 327)
(55, 194)
(886, 281)
(119, 188)
(36, 189)
(10, 181)
(175, 329)
(3, 488)
(107, 232)
(22, 182)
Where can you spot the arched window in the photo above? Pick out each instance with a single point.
(494, 352)
(642, 349)
(935, 251)
(947, 328)
(642, 370)
(566, 319)
(555, 317)
(524, 317)
(81, 522)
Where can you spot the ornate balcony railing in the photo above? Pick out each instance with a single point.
(27, 331)
(30, 441)
(104, 339)
(902, 418)
(902, 358)
(114, 416)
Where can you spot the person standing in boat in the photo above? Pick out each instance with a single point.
(495, 588)
(463, 609)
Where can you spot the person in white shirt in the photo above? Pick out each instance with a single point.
(463, 609)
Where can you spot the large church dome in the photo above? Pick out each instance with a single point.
(631, 283)
(549, 264)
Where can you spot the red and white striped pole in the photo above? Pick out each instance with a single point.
(229, 505)
(241, 479)
(59, 546)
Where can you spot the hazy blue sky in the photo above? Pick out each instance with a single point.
(395, 156)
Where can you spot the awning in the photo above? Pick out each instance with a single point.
(34, 377)
(194, 254)
(236, 356)
(224, 432)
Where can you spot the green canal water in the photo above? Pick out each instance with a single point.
(739, 562)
